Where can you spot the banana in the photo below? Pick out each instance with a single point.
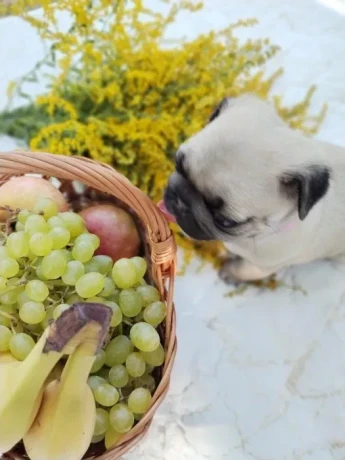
(64, 425)
(21, 386)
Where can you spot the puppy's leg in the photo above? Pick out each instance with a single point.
(240, 270)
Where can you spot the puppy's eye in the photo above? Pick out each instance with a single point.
(223, 221)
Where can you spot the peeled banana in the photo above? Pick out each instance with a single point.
(65, 423)
(21, 386)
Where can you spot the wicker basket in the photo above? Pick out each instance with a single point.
(159, 240)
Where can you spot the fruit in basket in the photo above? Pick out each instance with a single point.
(21, 386)
(115, 228)
(47, 266)
(121, 418)
(139, 400)
(64, 425)
(26, 192)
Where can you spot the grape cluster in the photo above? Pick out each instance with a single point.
(47, 263)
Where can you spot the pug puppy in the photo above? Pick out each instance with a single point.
(274, 196)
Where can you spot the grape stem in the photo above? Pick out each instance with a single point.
(126, 321)
(7, 315)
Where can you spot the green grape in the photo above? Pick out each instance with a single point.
(141, 282)
(48, 319)
(3, 283)
(39, 273)
(4, 253)
(21, 345)
(127, 390)
(34, 328)
(59, 309)
(104, 373)
(146, 381)
(97, 438)
(106, 395)
(56, 221)
(74, 298)
(22, 298)
(10, 297)
(139, 400)
(116, 319)
(67, 254)
(83, 251)
(155, 313)
(154, 358)
(5, 338)
(4, 320)
(23, 215)
(100, 264)
(47, 207)
(144, 337)
(32, 312)
(19, 227)
(148, 294)
(6, 311)
(115, 296)
(117, 350)
(17, 245)
(112, 437)
(60, 237)
(94, 381)
(124, 273)
(99, 362)
(74, 223)
(89, 284)
(105, 263)
(74, 270)
(140, 265)
(130, 302)
(121, 418)
(102, 421)
(31, 256)
(54, 264)
(109, 287)
(91, 266)
(8, 267)
(41, 244)
(36, 224)
(135, 365)
(37, 290)
(88, 238)
(95, 300)
(118, 376)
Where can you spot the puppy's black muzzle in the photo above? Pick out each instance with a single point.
(179, 197)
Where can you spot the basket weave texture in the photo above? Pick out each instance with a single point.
(103, 178)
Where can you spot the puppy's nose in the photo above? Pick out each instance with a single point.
(172, 195)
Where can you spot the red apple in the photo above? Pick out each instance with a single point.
(115, 228)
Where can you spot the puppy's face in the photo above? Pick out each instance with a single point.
(244, 174)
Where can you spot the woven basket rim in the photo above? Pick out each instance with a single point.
(160, 239)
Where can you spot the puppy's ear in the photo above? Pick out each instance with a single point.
(306, 186)
(216, 112)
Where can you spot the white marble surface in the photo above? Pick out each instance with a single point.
(260, 376)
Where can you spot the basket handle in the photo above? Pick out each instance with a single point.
(105, 179)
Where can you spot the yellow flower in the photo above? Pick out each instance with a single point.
(124, 96)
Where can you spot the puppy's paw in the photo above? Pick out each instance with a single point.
(226, 273)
